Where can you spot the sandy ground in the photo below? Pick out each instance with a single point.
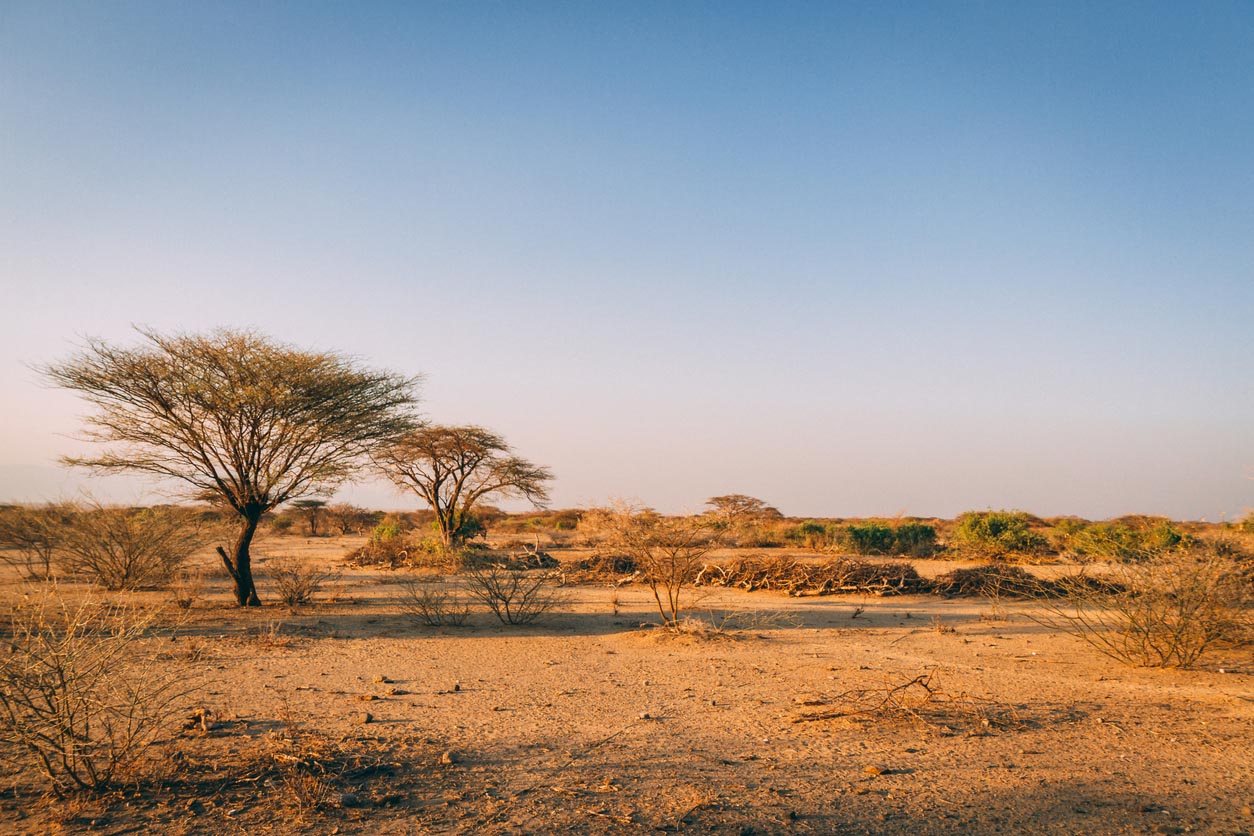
(590, 722)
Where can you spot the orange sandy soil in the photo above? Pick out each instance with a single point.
(590, 722)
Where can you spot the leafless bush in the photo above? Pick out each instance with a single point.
(130, 548)
(668, 551)
(186, 589)
(297, 581)
(515, 596)
(734, 624)
(430, 605)
(921, 700)
(35, 532)
(306, 770)
(81, 698)
(1162, 612)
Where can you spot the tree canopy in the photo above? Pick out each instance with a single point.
(454, 467)
(237, 418)
(737, 506)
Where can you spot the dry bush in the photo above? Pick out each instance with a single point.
(186, 589)
(130, 548)
(515, 596)
(740, 623)
(828, 577)
(297, 581)
(35, 532)
(81, 697)
(921, 700)
(305, 770)
(430, 605)
(668, 550)
(1162, 612)
(992, 580)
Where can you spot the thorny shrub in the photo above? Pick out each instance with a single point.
(1164, 611)
(81, 695)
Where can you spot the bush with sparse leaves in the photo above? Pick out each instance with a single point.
(433, 605)
(1164, 611)
(297, 581)
(82, 694)
(515, 596)
(130, 548)
(669, 552)
(35, 532)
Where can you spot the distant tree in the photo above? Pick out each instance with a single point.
(313, 510)
(455, 467)
(239, 419)
(351, 519)
(736, 507)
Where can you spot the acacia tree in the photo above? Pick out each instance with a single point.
(313, 511)
(454, 467)
(239, 419)
(734, 507)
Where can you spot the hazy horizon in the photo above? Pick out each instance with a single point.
(853, 260)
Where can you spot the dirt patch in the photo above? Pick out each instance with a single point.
(348, 717)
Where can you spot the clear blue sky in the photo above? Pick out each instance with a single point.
(850, 258)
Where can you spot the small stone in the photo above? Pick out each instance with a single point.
(363, 717)
(449, 757)
(381, 680)
(366, 697)
(644, 715)
(397, 692)
(874, 770)
(347, 799)
(457, 686)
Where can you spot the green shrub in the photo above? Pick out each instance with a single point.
(914, 539)
(812, 534)
(1124, 541)
(998, 534)
(908, 538)
(871, 538)
(388, 529)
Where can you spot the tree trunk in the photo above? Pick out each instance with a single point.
(240, 563)
(445, 522)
